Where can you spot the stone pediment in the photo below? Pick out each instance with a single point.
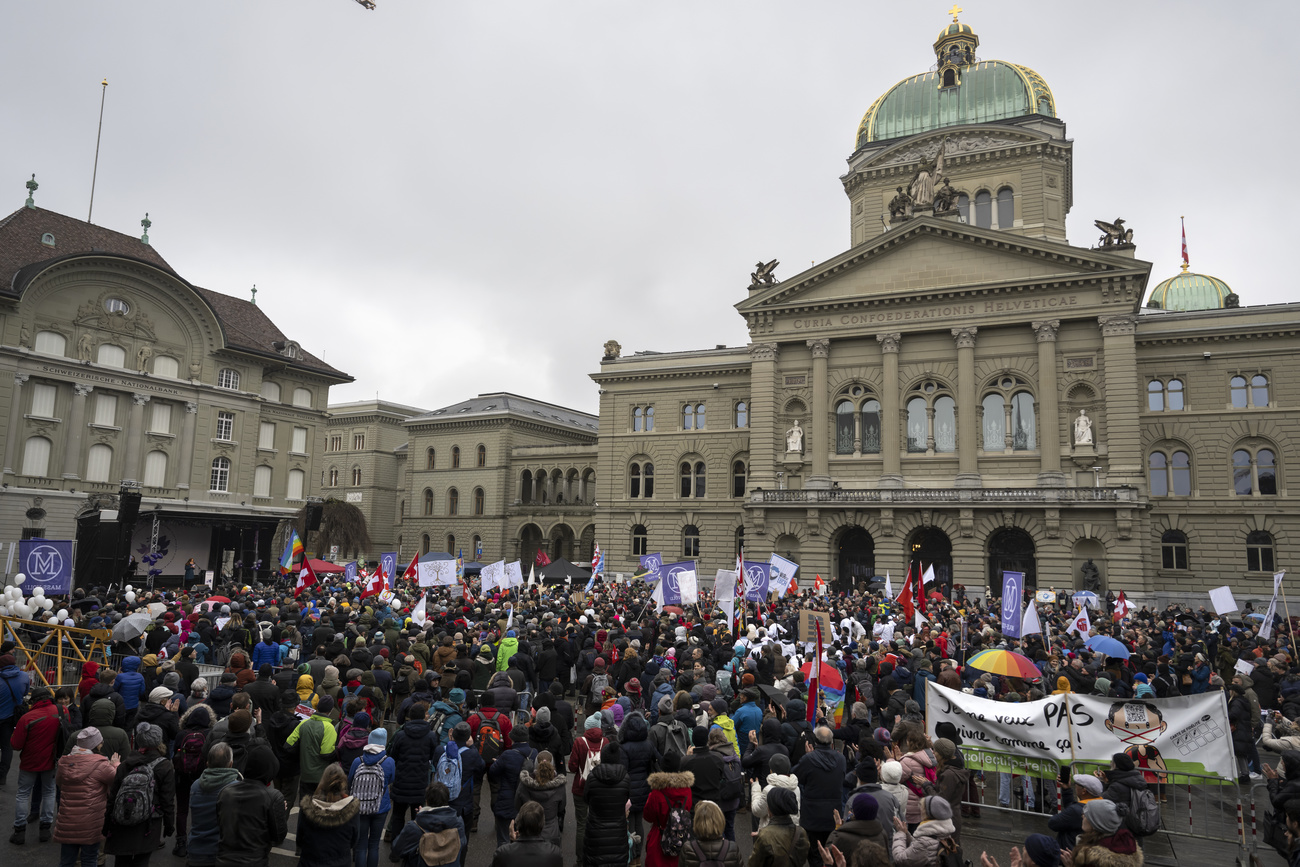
(928, 257)
(955, 144)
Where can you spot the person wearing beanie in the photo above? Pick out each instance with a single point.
(718, 718)
(315, 739)
(1068, 823)
(583, 758)
(782, 840)
(84, 777)
(143, 838)
(1105, 842)
(748, 718)
(950, 781)
(860, 826)
(508, 647)
(1040, 851)
(920, 847)
(1122, 779)
(264, 693)
(865, 779)
(377, 767)
(778, 777)
(1142, 686)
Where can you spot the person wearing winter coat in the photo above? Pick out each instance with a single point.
(544, 735)
(592, 743)
(527, 843)
(252, 816)
(606, 793)
(188, 750)
(920, 848)
(135, 843)
(89, 677)
(413, 749)
(438, 818)
(748, 718)
(84, 777)
(316, 740)
(370, 826)
(950, 782)
(205, 832)
(328, 822)
(915, 762)
(160, 710)
(641, 758)
(669, 788)
(1105, 842)
(131, 686)
(1122, 779)
(821, 777)
(504, 775)
(1280, 734)
(861, 827)
(866, 780)
(717, 711)
(710, 842)
(1068, 823)
(762, 748)
(266, 652)
(778, 777)
(1284, 781)
(35, 737)
(796, 729)
(891, 780)
(706, 766)
(544, 786)
(509, 647)
(781, 841)
(263, 691)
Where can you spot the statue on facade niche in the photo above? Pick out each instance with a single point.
(1091, 576)
(142, 356)
(900, 205)
(24, 336)
(1083, 429)
(85, 347)
(922, 187)
(945, 198)
(794, 439)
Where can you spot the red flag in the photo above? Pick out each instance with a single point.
(815, 684)
(818, 586)
(1122, 607)
(1184, 225)
(413, 570)
(377, 584)
(794, 586)
(905, 598)
(306, 578)
(541, 559)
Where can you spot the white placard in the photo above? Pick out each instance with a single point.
(1221, 599)
(514, 574)
(208, 577)
(1244, 667)
(724, 585)
(492, 575)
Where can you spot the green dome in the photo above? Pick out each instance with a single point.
(1190, 291)
(955, 29)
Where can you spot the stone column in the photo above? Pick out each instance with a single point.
(890, 420)
(1049, 422)
(582, 489)
(76, 427)
(519, 487)
(134, 434)
(183, 468)
(15, 420)
(1122, 436)
(968, 474)
(767, 434)
(819, 435)
(535, 489)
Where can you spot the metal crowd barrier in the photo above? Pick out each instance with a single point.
(54, 654)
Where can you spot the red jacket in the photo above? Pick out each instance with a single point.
(89, 677)
(35, 736)
(502, 721)
(592, 741)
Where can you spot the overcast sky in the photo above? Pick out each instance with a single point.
(444, 199)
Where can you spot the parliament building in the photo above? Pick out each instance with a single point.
(962, 386)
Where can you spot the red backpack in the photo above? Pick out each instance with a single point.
(188, 759)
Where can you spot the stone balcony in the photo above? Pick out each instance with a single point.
(1051, 497)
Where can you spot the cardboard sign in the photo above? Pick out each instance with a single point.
(1221, 599)
(808, 626)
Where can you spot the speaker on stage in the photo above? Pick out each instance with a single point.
(313, 516)
(128, 508)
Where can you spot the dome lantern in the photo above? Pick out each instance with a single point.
(955, 50)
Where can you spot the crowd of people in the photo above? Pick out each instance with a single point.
(648, 739)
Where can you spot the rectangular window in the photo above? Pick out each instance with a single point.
(262, 482)
(358, 442)
(43, 400)
(266, 435)
(106, 409)
(296, 479)
(225, 426)
(160, 417)
(299, 444)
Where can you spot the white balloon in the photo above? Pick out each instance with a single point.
(22, 610)
(48, 603)
(128, 588)
(20, 578)
(38, 590)
(130, 597)
(63, 614)
(53, 620)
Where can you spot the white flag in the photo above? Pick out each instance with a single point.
(532, 574)
(728, 607)
(514, 575)
(889, 587)
(920, 618)
(724, 585)
(928, 575)
(1029, 624)
(511, 619)
(418, 617)
(1081, 624)
(493, 575)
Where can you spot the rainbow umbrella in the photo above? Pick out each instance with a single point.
(1005, 662)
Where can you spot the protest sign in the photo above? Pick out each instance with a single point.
(808, 625)
(47, 563)
(438, 573)
(1221, 599)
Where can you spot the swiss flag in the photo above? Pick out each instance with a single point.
(794, 587)
(1122, 607)
(376, 584)
(306, 578)
(905, 598)
(413, 571)
(819, 586)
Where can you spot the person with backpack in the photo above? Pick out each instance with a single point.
(445, 713)
(503, 776)
(932, 836)
(38, 736)
(582, 760)
(710, 847)
(252, 815)
(593, 688)
(205, 832)
(142, 806)
(85, 778)
(472, 770)
(1127, 787)
(328, 822)
(316, 739)
(353, 736)
(435, 836)
(1105, 842)
(781, 842)
(14, 683)
(490, 728)
(606, 792)
(414, 749)
(188, 762)
(668, 812)
(528, 843)
(369, 777)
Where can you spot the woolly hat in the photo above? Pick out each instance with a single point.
(1103, 815)
(882, 735)
(779, 764)
(457, 696)
(937, 807)
(634, 685)
(782, 802)
(89, 738)
(361, 720)
(946, 749)
(666, 704)
(1043, 851)
(147, 735)
(240, 721)
(949, 731)
(1122, 762)
(485, 654)
(592, 722)
(378, 737)
(160, 695)
(1088, 783)
(543, 715)
(865, 807)
(719, 706)
(617, 710)
(262, 765)
(891, 772)
(700, 737)
(325, 705)
(599, 663)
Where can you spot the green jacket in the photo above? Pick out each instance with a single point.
(317, 739)
(509, 647)
(728, 727)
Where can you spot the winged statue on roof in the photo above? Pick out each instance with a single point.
(1113, 234)
(763, 275)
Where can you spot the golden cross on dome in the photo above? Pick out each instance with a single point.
(954, 11)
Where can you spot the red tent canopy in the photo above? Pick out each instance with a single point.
(321, 567)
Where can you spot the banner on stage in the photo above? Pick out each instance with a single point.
(1184, 734)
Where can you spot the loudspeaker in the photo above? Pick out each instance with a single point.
(128, 509)
(312, 517)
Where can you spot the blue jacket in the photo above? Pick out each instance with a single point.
(390, 771)
(663, 689)
(918, 689)
(1200, 679)
(747, 718)
(205, 832)
(263, 653)
(13, 686)
(505, 770)
(130, 683)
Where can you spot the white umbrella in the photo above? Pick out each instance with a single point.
(132, 626)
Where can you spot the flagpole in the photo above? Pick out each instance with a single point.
(1289, 630)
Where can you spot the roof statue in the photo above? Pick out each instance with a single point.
(762, 275)
(900, 206)
(369, 4)
(31, 191)
(1114, 234)
(922, 186)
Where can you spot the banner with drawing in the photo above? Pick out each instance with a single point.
(1187, 734)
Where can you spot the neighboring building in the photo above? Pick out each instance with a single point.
(118, 369)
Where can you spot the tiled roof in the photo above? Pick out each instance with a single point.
(23, 254)
(504, 403)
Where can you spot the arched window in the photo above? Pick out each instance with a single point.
(99, 460)
(453, 502)
(648, 480)
(950, 78)
(738, 479)
(356, 477)
(110, 355)
(455, 457)
(984, 209)
(478, 501)
(476, 545)
(994, 423)
(1237, 389)
(270, 390)
(1156, 396)
(1158, 465)
(428, 502)
(699, 416)
(424, 544)
(740, 540)
(219, 479)
(297, 485)
(228, 377)
(634, 481)
(1163, 396)
(1006, 208)
(963, 207)
(685, 479)
(649, 418)
(302, 397)
(261, 481)
(1265, 471)
(742, 414)
(1175, 394)
(640, 541)
(916, 424)
(482, 456)
(699, 478)
(334, 477)
(526, 486)
(638, 418)
(429, 459)
(36, 456)
(1241, 475)
(51, 343)
(1180, 473)
(155, 469)
(690, 541)
(1259, 390)
(844, 427)
(871, 427)
(1259, 551)
(401, 510)
(1022, 422)
(688, 417)
(1173, 549)
(945, 425)
(1254, 472)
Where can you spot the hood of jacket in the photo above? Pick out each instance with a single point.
(436, 819)
(608, 773)
(935, 828)
(795, 710)
(770, 729)
(192, 719)
(665, 780)
(330, 814)
(416, 728)
(1291, 764)
(528, 780)
(89, 669)
(784, 781)
(215, 778)
(131, 663)
(634, 728)
(102, 712)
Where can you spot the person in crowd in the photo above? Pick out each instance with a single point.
(866, 779)
(504, 773)
(328, 822)
(1068, 823)
(586, 755)
(205, 831)
(862, 826)
(135, 833)
(921, 848)
(188, 761)
(607, 791)
(370, 777)
(821, 778)
(543, 785)
(670, 790)
(36, 739)
(445, 832)
(252, 816)
(710, 843)
(413, 749)
(1105, 842)
(1039, 850)
(781, 843)
(14, 684)
(316, 740)
(528, 842)
(85, 778)
(779, 777)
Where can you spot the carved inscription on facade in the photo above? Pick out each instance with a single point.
(1017, 305)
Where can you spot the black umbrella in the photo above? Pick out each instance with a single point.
(775, 694)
